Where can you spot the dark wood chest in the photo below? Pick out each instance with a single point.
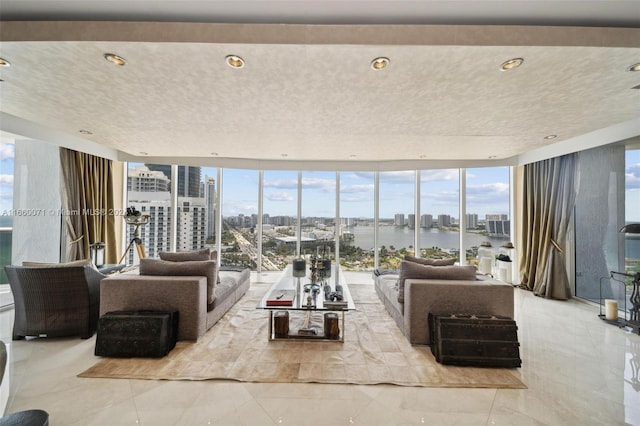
(149, 334)
(475, 340)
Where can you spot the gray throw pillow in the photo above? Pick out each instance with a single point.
(418, 271)
(433, 262)
(206, 268)
(185, 256)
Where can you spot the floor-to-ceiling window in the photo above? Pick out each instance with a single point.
(6, 204)
(397, 219)
(439, 213)
(149, 193)
(632, 209)
(357, 228)
(487, 212)
(240, 218)
(280, 215)
(318, 213)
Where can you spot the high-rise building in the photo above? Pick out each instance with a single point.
(149, 193)
(192, 217)
(399, 219)
(411, 221)
(142, 179)
(444, 220)
(495, 217)
(426, 221)
(499, 228)
(210, 202)
(472, 220)
(188, 178)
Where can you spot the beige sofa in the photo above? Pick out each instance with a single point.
(482, 296)
(187, 294)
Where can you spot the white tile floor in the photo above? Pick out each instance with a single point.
(578, 369)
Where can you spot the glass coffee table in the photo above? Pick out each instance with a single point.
(291, 294)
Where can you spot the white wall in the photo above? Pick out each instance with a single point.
(36, 203)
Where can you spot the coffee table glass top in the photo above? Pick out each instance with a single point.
(301, 291)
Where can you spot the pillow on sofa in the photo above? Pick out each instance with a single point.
(186, 256)
(206, 268)
(432, 262)
(83, 262)
(416, 270)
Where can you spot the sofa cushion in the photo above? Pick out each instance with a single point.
(185, 256)
(432, 262)
(415, 270)
(207, 268)
(83, 262)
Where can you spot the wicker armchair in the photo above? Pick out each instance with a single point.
(55, 301)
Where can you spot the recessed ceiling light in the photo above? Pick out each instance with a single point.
(85, 132)
(380, 63)
(511, 64)
(115, 59)
(634, 67)
(4, 63)
(235, 61)
(551, 137)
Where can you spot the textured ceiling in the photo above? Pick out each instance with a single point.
(307, 92)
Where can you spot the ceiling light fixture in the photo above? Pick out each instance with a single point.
(4, 63)
(144, 153)
(214, 153)
(115, 59)
(634, 67)
(380, 63)
(284, 155)
(549, 137)
(511, 64)
(235, 61)
(491, 157)
(85, 132)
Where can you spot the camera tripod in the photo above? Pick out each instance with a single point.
(137, 221)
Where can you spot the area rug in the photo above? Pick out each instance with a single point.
(237, 348)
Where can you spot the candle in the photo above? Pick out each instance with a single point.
(611, 309)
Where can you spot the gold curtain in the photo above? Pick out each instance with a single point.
(549, 193)
(88, 188)
(72, 238)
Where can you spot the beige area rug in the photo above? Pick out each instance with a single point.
(237, 348)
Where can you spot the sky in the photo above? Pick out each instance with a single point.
(487, 190)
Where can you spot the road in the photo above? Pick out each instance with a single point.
(249, 249)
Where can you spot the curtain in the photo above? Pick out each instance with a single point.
(549, 193)
(73, 240)
(89, 196)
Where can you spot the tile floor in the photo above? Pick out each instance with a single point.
(578, 369)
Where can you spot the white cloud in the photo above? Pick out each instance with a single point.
(632, 176)
(281, 183)
(354, 189)
(439, 175)
(6, 151)
(6, 179)
(279, 196)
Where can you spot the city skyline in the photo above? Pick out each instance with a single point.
(487, 193)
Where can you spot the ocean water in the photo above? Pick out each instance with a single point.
(400, 237)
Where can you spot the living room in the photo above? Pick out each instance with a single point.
(283, 185)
